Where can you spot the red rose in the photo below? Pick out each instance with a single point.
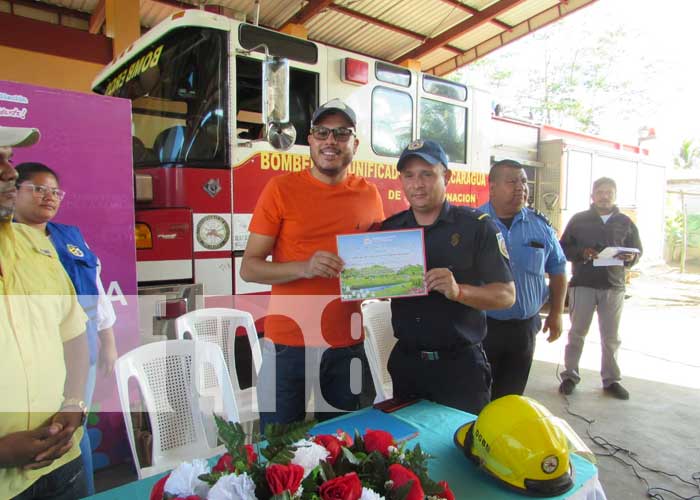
(378, 441)
(158, 489)
(252, 456)
(344, 438)
(446, 492)
(347, 487)
(400, 475)
(281, 478)
(331, 444)
(225, 464)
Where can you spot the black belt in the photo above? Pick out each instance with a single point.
(429, 354)
(515, 321)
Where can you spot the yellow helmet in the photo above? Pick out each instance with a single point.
(520, 443)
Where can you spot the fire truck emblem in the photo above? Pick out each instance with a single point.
(213, 232)
(454, 239)
(212, 187)
(75, 250)
(415, 145)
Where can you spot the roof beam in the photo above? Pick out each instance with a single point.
(383, 24)
(98, 17)
(61, 11)
(472, 11)
(553, 14)
(483, 16)
(310, 10)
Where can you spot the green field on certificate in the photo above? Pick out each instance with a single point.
(380, 281)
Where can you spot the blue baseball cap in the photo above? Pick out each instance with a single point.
(428, 150)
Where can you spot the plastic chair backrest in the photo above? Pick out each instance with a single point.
(379, 341)
(182, 383)
(219, 325)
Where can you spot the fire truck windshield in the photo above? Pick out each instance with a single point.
(178, 88)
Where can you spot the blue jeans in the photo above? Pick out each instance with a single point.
(339, 377)
(85, 445)
(65, 483)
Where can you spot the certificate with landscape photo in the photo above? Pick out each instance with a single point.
(382, 264)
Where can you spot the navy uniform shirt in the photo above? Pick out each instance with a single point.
(465, 241)
(534, 249)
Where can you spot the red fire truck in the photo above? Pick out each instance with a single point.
(200, 154)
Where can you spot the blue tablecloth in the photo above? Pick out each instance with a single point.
(436, 425)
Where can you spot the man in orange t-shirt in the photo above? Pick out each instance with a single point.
(309, 341)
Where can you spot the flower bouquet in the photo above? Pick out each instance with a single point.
(291, 465)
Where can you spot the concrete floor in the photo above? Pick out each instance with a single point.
(660, 361)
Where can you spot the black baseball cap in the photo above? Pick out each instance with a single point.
(334, 106)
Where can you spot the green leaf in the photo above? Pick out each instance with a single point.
(327, 472)
(285, 495)
(350, 456)
(232, 435)
(401, 492)
(287, 434)
(282, 455)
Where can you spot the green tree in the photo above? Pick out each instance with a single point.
(688, 155)
(568, 75)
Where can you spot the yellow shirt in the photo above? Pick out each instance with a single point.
(38, 312)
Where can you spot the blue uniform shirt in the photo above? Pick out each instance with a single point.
(80, 264)
(534, 250)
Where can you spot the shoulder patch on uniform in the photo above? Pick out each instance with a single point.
(541, 216)
(502, 245)
(75, 250)
(482, 217)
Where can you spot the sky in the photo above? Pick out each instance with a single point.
(658, 53)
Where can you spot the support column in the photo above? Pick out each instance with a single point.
(123, 23)
(413, 64)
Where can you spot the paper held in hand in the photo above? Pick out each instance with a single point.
(382, 264)
(609, 256)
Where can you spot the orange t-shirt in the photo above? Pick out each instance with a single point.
(305, 215)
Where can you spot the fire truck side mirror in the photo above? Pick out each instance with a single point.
(280, 132)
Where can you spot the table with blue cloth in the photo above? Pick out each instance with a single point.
(436, 425)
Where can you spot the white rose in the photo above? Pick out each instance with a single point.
(184, 481)
(309, 455)
(368, 494)
(233, 487)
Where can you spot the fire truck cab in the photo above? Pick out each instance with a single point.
(199, 148)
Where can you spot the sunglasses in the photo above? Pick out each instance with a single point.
(42, 191)
(340, 134)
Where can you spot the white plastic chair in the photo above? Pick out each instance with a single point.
(182, 383)
(379, 341)
(219, 325)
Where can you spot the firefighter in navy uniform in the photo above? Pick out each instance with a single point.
(439, 355)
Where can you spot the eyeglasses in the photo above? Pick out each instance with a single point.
(43, 191)
(340, 134)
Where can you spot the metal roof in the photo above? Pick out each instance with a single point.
(442, 35)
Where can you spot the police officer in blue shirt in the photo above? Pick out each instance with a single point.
(439, 355)
(534, 250)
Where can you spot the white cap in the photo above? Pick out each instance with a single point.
(18, 136)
